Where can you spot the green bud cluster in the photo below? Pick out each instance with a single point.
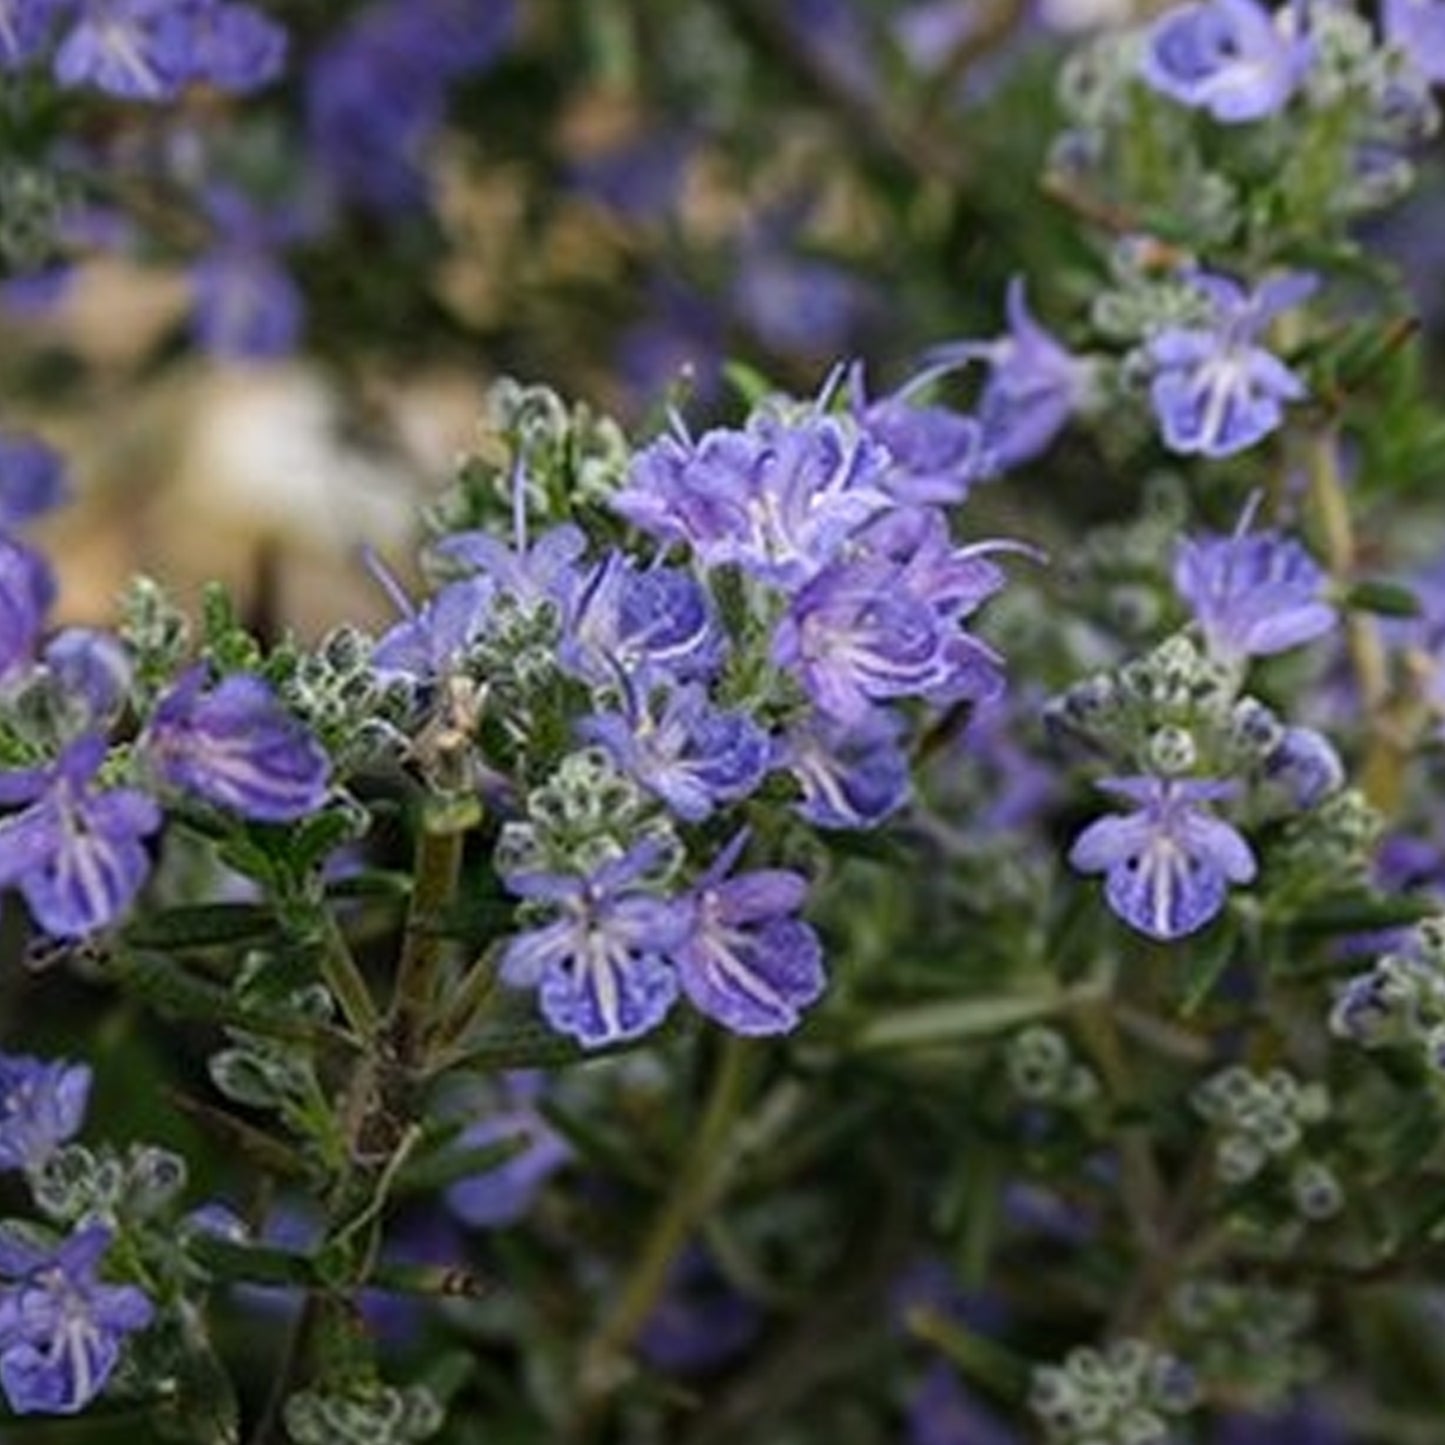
(1123, 1395)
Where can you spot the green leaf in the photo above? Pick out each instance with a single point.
(1385, 599)
(1358, 913)
(1204, 965)
(953, 1020)
(447, 1166)
(204, 925)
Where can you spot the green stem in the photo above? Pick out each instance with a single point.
(1389, 737)
(343, 977)
(438, 866)
(701, 1178)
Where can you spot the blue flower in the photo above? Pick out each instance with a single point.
(152, 49)
(937, 453)
(694, 756)
(238, 747)
(1032, 389)
(1167, 865)
(700, 1323)
(90, 673)
(61, 1327)
(433, 640)
(888, 625)
(942, 1412)
(654, 623)
(376, 95)
(1253, 593)
(27, 588)
(854, 637)
(1417, 27)
(25, 28)
(745, 961)
(779, 499)
(1226, 57)
(1214, 391)
(601, 967)
(32, 475)
(42, 1104)
(232, 47)
(527, 577)
(503, 1195)
(850, 777)
(1306, 766)
(75, 852)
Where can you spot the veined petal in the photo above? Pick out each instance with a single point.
(753, 982)
(604, 995)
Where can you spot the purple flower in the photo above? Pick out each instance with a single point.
(795, 305)
(1226, 57)
(853, 636)
(32, 475)
(27, 588)
(376, 95)
(1306, 766)
(1032, 388)
(42, 1104)
(432, 641)
(937, 454)
(700, 1323)
(1214, 391)
(942, 1412)
(246, 306)
(600, 967)
(694, 756)
(61, 1327)
(1253, 593)
(851, 777)
(745, 961)
(1417, 27)
(546, 573)
(504, 1195)
(1167, 865)
(126, 48)
(75, 852)
(233, 47)
(658, 622)
(779, 499)
(238, 747)
(25, 29)
(888, 624)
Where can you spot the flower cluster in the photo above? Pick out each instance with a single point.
(148, 50)
(1128, 1393)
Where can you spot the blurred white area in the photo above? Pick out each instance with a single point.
(252, 477)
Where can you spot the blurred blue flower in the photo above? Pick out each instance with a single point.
(1417, 27)
(1230, 58)
(27, 589)
(238, 747)
(701, 1323)
(504, 1195)
(75, 852)
(42, 1104)
(942, 1412)
(1214, 390)
(25, 27)
(61, 1327)
(32, 479)
(1167, 865)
